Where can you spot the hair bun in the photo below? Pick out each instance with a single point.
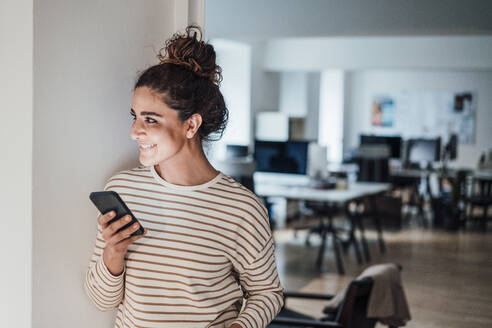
(190, 51)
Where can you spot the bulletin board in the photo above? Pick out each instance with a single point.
(425, 114)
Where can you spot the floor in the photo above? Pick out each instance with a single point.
(447, 276)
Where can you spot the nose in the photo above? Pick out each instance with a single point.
(137, 131)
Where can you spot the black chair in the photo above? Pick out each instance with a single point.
(451, 207)
(481, 197)
(373, 161)
(366, 209)
(373, 169)
(324, 213)
(350, 314)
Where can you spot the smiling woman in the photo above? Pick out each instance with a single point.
(207, 245)
(158, 128)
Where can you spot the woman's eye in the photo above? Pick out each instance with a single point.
(147, 119)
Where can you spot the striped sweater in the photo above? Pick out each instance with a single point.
(208, 248)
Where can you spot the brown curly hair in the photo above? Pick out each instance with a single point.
(188, 80)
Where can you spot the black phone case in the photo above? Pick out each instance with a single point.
(107, 201)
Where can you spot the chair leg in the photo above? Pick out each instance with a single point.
(321, 252)
(354, 242)
(358, 254)
(484, 218)
(473, 219)
(307, 242)
(377, 223)
(466, 218)
(336, 248)
(421, 213)
(365, 246)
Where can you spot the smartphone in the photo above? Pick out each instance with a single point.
(107, 201)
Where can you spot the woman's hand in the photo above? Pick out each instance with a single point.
(117, 242)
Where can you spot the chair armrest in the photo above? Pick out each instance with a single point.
(305, 323)
(308, 295)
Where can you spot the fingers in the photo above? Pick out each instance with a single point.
(103, 219)
(127, 242)
(118, 240)
(111, 229)
(117, 237)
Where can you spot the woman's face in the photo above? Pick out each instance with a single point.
(156, 127)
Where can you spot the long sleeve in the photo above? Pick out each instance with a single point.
(262, 290)
(104, 289)
(202, 242)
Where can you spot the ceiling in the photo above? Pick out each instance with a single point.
(270, 19)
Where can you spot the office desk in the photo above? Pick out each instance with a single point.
(450, 172)
(333, 198)
(482, 174)
(354, 191)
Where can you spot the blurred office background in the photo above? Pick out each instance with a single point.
(350, 112)
(327, 98)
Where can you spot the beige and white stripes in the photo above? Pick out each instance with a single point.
(207, 247)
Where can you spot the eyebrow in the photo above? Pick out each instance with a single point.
(146, 113)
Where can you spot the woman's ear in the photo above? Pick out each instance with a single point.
(193, 124)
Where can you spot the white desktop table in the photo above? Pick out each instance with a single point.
(334, 197)
(354, 191)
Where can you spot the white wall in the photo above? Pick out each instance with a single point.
(86, 58)
(265, 87)
(448, 60)
(299, 98)
(417, 52)
(332, 90)
(16, 162)
(313, 94)
(235, 60)
(293, 99)
(188, 12)
(363, 85)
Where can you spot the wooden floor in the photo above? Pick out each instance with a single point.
(447, 277)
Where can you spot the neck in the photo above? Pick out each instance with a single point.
(189, 167)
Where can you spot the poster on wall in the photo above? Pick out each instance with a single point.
(383, 111)
(463, 114)
(429, 113)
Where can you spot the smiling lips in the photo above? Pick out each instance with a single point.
(147, 147)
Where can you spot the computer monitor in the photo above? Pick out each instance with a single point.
(281, 157)
(423, 150)
(394, 143)
(236, 151)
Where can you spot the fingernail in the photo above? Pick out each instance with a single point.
(128, 218)
(111, 213)
(135, 225)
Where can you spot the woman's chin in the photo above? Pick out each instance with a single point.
(147, 161)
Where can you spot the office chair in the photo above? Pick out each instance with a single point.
(367, 209)
(349, 308)
(459, 196)
(350, 314)
(373, 161)
(481, 197)
(373, 169)
(326, 228)
(449, 207)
